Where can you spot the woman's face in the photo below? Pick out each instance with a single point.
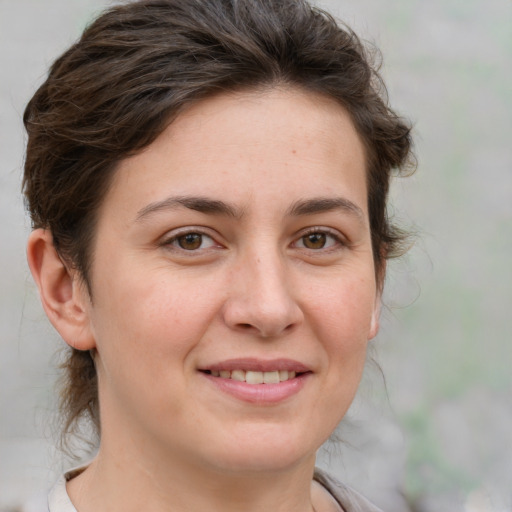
(235, 248)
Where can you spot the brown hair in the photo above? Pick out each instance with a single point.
(138, 66)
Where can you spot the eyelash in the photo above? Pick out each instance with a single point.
(173, 241)
(339, 241)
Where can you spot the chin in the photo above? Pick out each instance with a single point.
(261, 463)
(264, 450)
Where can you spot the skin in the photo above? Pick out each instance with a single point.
(258, 286)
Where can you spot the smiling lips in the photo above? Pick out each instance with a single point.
(257, 381)
(255, 377)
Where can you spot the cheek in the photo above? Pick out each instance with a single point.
(151, 316)
(342, 327)
(345, 309)
(146, 327)
(343, 323)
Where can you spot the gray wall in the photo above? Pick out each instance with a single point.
(442, 434)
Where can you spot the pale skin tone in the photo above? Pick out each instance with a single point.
(241, 232)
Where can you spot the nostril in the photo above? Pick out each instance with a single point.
(251, 315)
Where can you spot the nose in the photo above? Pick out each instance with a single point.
(261, 299)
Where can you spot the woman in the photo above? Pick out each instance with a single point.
(207, 183)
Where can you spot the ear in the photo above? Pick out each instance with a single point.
(63, 295)
(375, 321)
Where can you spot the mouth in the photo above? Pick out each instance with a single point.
(257, 372)
(255, 377)
(256, 381)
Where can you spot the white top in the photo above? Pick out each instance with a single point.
(347, 498)
(58, 499)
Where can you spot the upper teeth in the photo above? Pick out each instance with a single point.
(255, 377)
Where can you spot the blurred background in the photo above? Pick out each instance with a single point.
(435, 433)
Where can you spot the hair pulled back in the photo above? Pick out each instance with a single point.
(142, 63)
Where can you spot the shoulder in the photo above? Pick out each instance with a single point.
(349, 499)
(58, 499)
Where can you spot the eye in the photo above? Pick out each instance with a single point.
(317, 240)
(191, 241)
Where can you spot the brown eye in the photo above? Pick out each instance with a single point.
(319, 240)
(190, 241)
(314, 240)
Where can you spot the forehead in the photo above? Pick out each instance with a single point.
(243, 144)
(290, 119)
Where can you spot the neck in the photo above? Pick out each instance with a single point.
(121, 480)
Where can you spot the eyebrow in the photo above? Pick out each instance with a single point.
(325, 204)
(197, 203)
(216, 207)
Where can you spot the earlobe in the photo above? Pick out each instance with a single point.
(375, 321)
(64, 299)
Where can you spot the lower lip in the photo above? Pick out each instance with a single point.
(260, 393)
